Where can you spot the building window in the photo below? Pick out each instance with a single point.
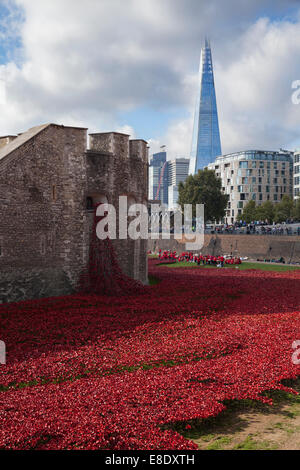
(1, 248)
(275, 197)
(243, 164)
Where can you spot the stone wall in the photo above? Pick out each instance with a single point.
(252, 246)
(45, 225)
(117, 167)
(19, 284)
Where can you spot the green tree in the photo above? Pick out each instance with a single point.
(296, 210)
(284, 209)
(249, 212)
(265, 211)
(204, 188)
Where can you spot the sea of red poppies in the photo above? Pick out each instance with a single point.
(103, 372)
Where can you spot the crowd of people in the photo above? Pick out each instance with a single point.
(219, 261)
(255, 228)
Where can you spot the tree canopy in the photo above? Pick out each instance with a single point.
(272, 212)
(204, 188)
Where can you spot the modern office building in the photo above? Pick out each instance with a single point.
(206, 144)
(256, 175)
(178, 171)
(297, 174)
(158, 177)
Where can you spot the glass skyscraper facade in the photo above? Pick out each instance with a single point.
(206, 144)
(156, 167)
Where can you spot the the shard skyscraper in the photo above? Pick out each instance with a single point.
(206, 144)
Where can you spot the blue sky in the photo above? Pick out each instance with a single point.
(10, 41)
(5, 48)
(133, 66)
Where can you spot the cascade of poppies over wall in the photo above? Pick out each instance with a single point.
(103, 275)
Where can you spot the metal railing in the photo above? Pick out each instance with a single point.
(271, 231)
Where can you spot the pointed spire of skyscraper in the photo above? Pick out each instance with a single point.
(206, 144)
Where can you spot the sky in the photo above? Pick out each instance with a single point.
(132, 66)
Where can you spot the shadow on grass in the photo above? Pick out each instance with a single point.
(230, 421)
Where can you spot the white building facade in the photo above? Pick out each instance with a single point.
(256, 175)
(178, 171)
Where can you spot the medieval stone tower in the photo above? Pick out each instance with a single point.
(49, 181)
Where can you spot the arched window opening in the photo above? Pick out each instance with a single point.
(94, 199)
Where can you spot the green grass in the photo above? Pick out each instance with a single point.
(250, 444)
(153, 281)
(210, 431)
(219, 443)
(244, 266)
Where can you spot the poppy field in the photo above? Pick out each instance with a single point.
(116, 372)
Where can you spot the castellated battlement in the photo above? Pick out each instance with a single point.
(49, 184)
(119, 144)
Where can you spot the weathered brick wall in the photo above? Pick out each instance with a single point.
(39, 212)
(45, 226)
(253, 246)
(118, 167)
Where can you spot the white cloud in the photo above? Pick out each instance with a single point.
(254, 90)
(83, 63)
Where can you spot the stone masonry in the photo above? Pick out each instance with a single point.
(252, 246)
(49, 181)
